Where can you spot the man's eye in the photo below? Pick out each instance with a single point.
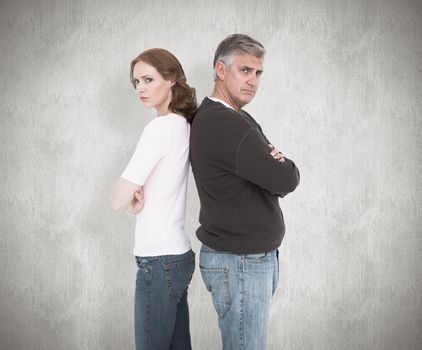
(245, 70)
(259, 74)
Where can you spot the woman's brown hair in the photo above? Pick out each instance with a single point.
(183, 99)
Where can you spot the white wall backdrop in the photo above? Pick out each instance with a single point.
(341, 95)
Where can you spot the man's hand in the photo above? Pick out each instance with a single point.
(137, 202)
(276, 153)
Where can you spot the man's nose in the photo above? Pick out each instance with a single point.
(253, 80)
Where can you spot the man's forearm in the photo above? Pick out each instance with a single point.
(257, 163)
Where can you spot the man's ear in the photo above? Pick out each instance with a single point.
(220, 70)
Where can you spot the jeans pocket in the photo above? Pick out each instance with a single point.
(178, 276)
(217, 282)
(260, 257)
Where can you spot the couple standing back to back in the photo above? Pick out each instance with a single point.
(239, 175)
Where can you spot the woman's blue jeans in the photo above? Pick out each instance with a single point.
(241, 287)
(161, 307)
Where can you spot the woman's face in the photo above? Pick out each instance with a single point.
(153, 90)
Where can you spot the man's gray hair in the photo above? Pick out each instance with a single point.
(237, 44)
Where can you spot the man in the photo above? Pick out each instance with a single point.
(239, 176)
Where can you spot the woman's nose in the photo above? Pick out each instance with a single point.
(140, 88)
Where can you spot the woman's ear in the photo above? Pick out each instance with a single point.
(172, 82)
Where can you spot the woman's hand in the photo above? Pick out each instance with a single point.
(137, 202)
(276, 153)
(124, 197)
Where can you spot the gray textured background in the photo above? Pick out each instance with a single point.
(341, 95)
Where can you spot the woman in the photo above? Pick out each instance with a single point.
(153, 186)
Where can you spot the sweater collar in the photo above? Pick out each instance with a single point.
(215, 99)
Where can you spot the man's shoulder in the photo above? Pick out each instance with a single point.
(211, 112)
(209, 106)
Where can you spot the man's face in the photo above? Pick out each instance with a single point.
(241, 79)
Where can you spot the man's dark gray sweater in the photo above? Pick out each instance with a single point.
(238, 181)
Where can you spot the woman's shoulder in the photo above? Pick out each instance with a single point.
(167, 124)
(160, 121)
(157, 126)
(169, 119)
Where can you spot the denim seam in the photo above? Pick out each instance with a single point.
(242, 301)
(148, 310)
(241, 330)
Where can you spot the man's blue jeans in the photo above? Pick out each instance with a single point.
(242, 287)
(161, 307)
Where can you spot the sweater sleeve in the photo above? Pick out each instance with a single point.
(255, 163)
(254, 122)
(151, 148)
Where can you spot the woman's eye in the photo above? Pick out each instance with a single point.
(148, 80)
(136, 82)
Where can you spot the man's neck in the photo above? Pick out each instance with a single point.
(223, 95)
